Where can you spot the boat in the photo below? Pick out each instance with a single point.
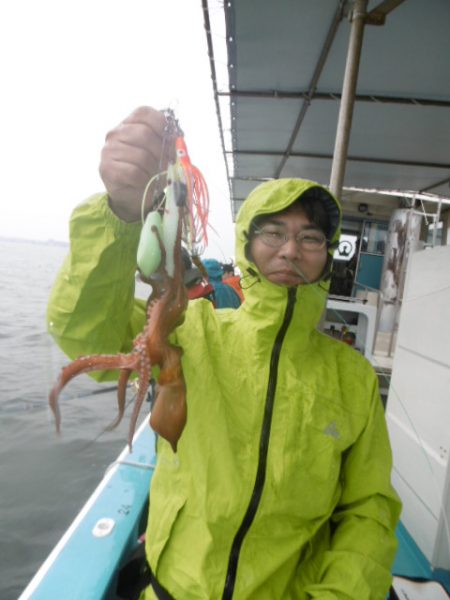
(90, 560)
(294, 71)
(340, 93)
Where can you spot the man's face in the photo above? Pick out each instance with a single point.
(301, 253)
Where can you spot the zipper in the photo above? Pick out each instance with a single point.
(255, 498)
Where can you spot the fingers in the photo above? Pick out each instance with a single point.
(134, 151)
(126, 160)
(147, 126)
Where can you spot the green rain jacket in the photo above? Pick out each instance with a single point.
(280, 488)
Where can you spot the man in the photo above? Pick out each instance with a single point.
(224, 295)
(280, 487)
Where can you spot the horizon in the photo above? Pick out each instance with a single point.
(62, 97)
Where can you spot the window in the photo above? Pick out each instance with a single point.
(435, 241)
(374, 237)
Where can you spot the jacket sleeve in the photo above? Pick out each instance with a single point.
(363, 544)
(92, 309)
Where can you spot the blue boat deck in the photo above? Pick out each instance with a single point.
(410, 561)
(86, 561)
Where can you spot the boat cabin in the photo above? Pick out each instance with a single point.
(353, 94)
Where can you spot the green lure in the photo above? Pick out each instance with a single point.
(149, 251)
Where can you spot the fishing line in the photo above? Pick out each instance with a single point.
(383, 377)
(144, 195)
(297, 269)
(319, 281)
(335, 312)
(103, 390)
(170, 130)
(105, 429)
(444, 289)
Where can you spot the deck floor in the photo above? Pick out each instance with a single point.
(410, 562)
(383, 352)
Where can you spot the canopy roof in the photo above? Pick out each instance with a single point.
(286, 64)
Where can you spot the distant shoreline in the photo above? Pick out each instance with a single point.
(40, 242)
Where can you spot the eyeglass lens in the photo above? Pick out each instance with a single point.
(307, 239)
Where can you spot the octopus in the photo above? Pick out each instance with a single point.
(165, 309)
(185, 209)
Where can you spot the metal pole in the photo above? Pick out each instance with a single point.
(437, 218)
(348, 97)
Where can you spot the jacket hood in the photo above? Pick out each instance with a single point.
(213, 268)
(273, 196)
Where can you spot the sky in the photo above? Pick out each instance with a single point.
(70, 72)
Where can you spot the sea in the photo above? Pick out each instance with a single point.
(45, 478)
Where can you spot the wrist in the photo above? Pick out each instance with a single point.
(122, 212)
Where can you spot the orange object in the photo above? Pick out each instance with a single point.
(234, 282)
(197, 198)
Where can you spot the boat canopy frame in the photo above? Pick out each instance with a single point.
(285, 66)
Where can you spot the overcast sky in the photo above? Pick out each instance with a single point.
(70, 71)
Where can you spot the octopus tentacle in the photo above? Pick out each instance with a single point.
(121, 397)
(144, 382)
(86, 364)
(151, 347)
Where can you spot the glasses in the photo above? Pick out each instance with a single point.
(311, 241)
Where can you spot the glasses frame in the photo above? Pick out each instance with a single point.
(258, 232)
